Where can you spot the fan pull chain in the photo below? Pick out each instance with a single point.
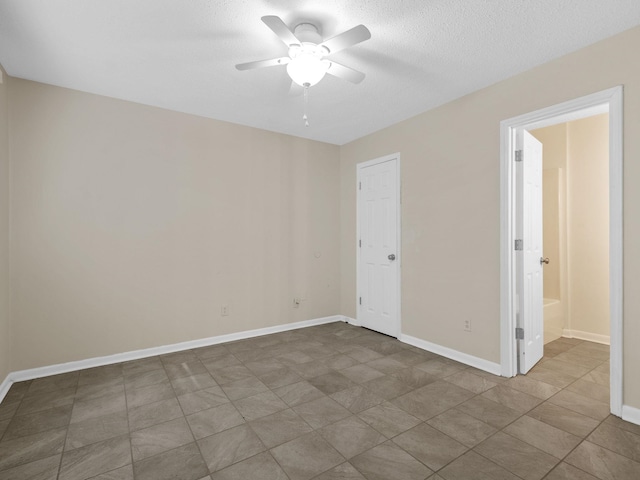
(306, 103)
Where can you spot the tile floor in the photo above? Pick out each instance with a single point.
(326, 403)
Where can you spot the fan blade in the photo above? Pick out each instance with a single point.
(347, 39)
(281, 30)
(263, 63)
(345, 73)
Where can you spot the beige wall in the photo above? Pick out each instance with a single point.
(133, 225)
(450, 161)
(588, 224)
(5, 324)
(554, 200)
(554, 143)
(577, 222)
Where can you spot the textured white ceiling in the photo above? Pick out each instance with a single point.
(180, 55)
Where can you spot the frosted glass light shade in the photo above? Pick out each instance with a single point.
(307, 69)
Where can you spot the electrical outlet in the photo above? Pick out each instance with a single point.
(224, 310)
(296, 302)
(467, 325)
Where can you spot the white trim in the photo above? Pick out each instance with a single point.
(352, 321)
(631, 414)
(571, 110)
(359, 167)
(588, 336)
(461, 357)
(32, 373)
(5, 386)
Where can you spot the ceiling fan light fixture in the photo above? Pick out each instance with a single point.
(307, 69)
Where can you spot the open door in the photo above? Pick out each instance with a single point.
(529, 253)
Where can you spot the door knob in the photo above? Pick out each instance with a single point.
(544, 260)
(392, 257)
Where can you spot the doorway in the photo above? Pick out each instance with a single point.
(512, 308)
(378, 244)
(575, 218)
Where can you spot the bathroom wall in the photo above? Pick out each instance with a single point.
(576, 226)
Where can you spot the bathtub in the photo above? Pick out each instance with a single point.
(553, 319)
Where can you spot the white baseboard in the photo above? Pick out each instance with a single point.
(590, 337)
(631, 414)
(352, 321)
(32, 373)
(4, 387)
(452, 354)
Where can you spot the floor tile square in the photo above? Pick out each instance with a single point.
(389, 419)
(280, 378)
(433, 399)
(31, 448)
(516, 456)
(581, 404)
(617, 440)
(154, 413)
(361, 373)
(149, 394)
(388, 461)
(202, 400)
(160, 438)
(549, 439)
(261, 405)
(297, 393)
(488, 411)
(43, 469)
(430, 446)
(514, 399)
(351, 436)
(214, 420)
(246, 469)
(413, 377)
(96, 429)
(462, 427)
(23, 425)
(387, 387)
(94, 459)
(321, 412)
(230, 446)
(603, 463)
(194, 383)
(306, 456)
(246, 387)
(280, 427)
(184, 463)
(471, 465)
(564, 419)
(344, 471)
(357, 399)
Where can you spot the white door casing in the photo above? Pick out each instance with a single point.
(378, 245)
(529, 265)
(611, 101)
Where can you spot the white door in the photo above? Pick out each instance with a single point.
(529, 264)
(378, 245)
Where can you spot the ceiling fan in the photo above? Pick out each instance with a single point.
(306, 61)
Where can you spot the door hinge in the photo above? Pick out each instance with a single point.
(360, 243)
(359, 185)
(518, 155)
(518, 244)
(519, 333)
(360, 300)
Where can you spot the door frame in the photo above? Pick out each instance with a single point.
(610, 100)
(359, 168)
